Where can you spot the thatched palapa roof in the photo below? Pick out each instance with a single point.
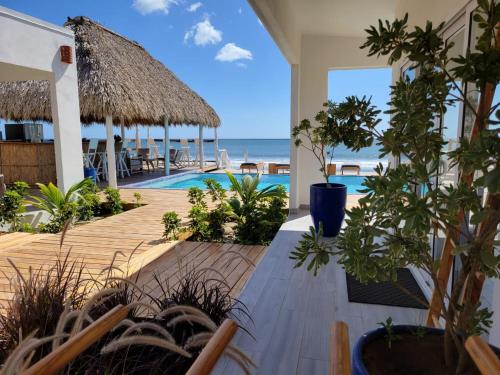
(117, 77)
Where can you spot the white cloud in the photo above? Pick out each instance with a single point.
(241, 65)
(150, 6)
(194, 7)
(231, 52)
(203, 33)
(240, 11)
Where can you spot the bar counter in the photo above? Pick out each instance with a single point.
(28, 162)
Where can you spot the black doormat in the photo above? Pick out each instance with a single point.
(386, 293)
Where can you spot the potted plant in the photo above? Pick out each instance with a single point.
(336, 125)
(391, 226)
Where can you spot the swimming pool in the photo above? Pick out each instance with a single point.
(187, 180)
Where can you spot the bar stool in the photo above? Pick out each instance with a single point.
(121, 155)
(185, 157)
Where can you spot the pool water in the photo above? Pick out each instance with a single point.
(189, 180)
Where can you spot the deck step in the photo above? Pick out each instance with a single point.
(17, 238)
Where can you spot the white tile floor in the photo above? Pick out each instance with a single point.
(292, 311)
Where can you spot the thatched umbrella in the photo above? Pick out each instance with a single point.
(119, 82)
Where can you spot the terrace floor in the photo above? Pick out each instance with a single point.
(292, 311)
(135, 236)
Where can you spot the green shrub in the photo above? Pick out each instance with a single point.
(138, 199)
(258, 212)
(198, 215)
(12, 206)
(218, 217)
(62, 207)
(113, 204)
(89, 204)
(172, 224)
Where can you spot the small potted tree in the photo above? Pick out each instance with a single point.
(337, 125)
(403, 205)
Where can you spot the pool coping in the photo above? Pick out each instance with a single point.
(158, 179)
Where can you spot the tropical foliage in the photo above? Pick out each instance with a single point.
(62, 207)
(172, 224)
(12, 207)
(113, 202)
(336, 125)
(404, 205)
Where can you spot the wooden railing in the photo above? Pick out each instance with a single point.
(485, 359)
(204, 364)
(59, 358)
(340, 362)
(68, 351)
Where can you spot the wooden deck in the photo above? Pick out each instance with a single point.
(136, 234)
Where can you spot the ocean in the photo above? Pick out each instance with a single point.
(277, 151)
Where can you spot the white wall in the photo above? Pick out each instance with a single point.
(29, 49)
(319, 54)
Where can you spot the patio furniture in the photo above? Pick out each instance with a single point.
(249, 167)
(186, 153)
(331, 169)
(176, 158)
(276, 168)
(350, 168)
(154, 152)
(224, 161)
(121, 155)
(143, 153)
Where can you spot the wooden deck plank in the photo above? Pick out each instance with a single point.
(137, 234)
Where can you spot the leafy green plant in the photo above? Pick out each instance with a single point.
(336, 125)
(138, 199)
(251, 206)
(218, 217)
(403, 205)
(113, 203)
(12, 207)
(198, 215)
(89, 204)
(312, 244)
(172, 224)
(390, 335)
(62, 207)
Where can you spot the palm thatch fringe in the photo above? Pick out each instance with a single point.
(116, 76)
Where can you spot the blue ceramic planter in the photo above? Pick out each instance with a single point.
(358, 367)
(327, 206)
(90, 172)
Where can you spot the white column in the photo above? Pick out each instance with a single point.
(122, 130)
(137, 139)
(313, 92)
(216, 147)
(200, 148)
(166, 143)
(66, 120)
(110, 153)
(294, 120)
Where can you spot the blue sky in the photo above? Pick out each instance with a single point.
(219, 48)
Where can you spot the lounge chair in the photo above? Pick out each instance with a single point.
(249, 167)
(275, 168)
(176, 158)
(350, 167)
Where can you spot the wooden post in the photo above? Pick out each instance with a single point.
(200, 148)
(211, 353)
(216, 147)
(340, 361)
(485, 359)
(166, 144)
(59, 358)
(110, 153)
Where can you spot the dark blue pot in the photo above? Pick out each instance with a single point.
(358, 367)
(90, 172)
(327, 206)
